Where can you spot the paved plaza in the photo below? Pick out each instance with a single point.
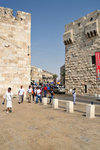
(37, 127)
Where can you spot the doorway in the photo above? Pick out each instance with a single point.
(85, 88)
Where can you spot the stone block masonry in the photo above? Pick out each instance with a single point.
(15, 53)
(82, 40)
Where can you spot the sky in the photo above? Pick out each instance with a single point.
(47, 27)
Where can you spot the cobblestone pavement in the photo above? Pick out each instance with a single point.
(37, 127)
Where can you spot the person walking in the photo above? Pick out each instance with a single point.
(8, 98)
(45, 91)
(29, 93)
(33, 93)
(21, 94)
(38, 95)
(48, 88)
(74, 95)
(51, 95)
(41, 88)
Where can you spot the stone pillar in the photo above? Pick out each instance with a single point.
(69, 106)
(90, 111)
(44, 100)
(55, 103)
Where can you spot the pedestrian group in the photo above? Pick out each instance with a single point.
(33, 94)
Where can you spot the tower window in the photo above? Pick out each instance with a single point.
(91, 19)
(79, 24)
(93, 59)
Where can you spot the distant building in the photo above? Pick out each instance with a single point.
(36, 74)
(82, 54)
(40, 76)
(47, 76)
(62, 75)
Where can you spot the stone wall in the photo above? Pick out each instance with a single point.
(82, 40)
(15, 53)
(62, 75)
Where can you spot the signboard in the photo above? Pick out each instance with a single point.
(97, 55)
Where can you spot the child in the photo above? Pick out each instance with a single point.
(8, 98)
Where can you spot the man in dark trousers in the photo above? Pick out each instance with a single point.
(51, 95)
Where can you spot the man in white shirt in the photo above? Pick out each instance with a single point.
(38, 95)
(21, 94)
(29, 93)
(8, 98)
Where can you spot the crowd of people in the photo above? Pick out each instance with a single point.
(36, 93)
(33, 94)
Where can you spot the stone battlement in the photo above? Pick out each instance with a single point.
(20, 15)
(83, 20)
(89, 24)
(82, 41)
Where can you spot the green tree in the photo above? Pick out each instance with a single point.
(55, 78)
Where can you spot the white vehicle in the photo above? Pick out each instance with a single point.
(59, 89)
(98, 97)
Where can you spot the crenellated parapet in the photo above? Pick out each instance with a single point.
(22, 16)
(88, 26)
(7, 13)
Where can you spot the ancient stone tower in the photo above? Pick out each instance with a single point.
(82, 57)
(15, 54)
